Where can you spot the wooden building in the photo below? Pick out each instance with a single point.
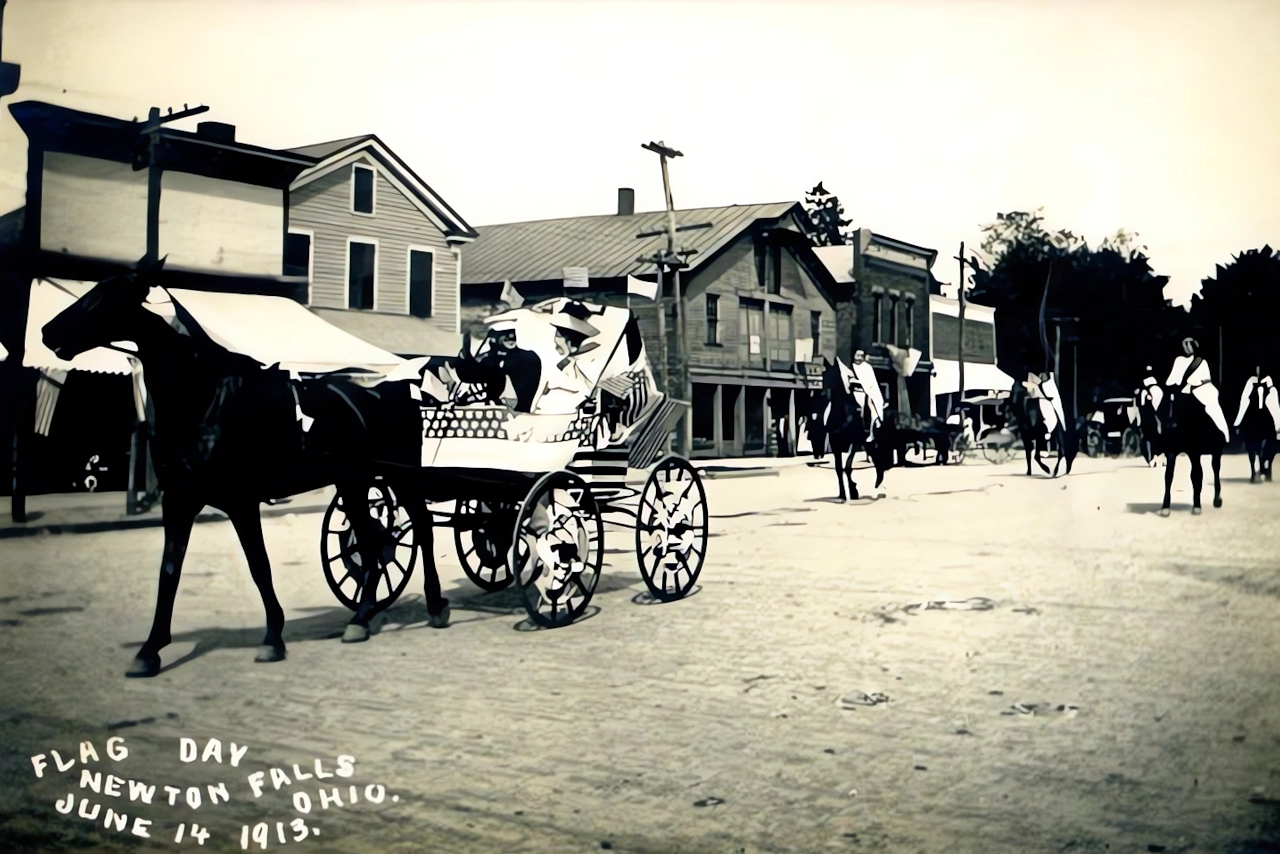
(101, 193)
(758, 319)
(379, 248)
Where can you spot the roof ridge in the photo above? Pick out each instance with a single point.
(350, 140)
(789, 204)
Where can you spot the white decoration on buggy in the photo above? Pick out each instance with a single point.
(561, 373)
(674, 534)
(557, 538)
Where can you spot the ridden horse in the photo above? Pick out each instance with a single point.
(1258, 426)
(1027, 419)
(835, 418)
(228, 434)
(1186, 428)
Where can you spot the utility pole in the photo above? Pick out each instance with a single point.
(139, 453)
(960, 335)
(672, 260)
(10, 72)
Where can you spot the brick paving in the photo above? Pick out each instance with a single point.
(1142, 652)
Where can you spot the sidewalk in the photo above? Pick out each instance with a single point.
(94, 512)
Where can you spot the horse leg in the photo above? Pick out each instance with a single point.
(1169, 460)
(179, 516)
(1041, 444)
(369, 538)
(1216, 463)
(837, 456)
(247, 521)
(420, 515)
(1028, 448)
(1197, 482)
(1255, 453)
(848, 473)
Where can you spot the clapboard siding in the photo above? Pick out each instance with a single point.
(324, 208)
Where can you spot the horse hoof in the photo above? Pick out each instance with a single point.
(355, 633)
(439, 621)
(1164, 512)
(1196, 511)
(1253, 478)
(143, 667)
(1217, 502)
(269, 654)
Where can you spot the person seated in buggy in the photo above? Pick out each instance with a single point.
(529, 361)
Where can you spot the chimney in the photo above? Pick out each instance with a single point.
(626, 201)
(216, 131)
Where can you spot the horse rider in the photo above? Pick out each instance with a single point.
(1043, 389)
(866, 392)
(1190, 375)
(1260, 398)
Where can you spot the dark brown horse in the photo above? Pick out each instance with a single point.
(228, 434)
(837, 421)
(1027, 420)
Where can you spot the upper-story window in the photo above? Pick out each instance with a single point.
(781, 336)
(877, 320)
(297, 254)
(815, 330)
(769, 267)
(892, 337)
(421, 278)
(362, 189)
(362, 273)
(909, 317)
(713, 319)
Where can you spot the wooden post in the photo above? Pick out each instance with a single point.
(960, 334)
(717, 419)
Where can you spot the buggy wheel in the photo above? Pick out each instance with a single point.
(959, 447)
(997, 453)
(671, 529)
(482, 534)
(1131, 443)
(557, 547)
(340, 555)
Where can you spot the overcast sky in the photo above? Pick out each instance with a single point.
(926, 118)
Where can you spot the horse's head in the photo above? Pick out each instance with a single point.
(101, 316)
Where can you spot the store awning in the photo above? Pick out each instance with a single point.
(49, 298)
(278, 330)
(978, 377)
(269, 329)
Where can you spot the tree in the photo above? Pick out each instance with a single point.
(1238, 307)
(826, 218)
(1105, 311)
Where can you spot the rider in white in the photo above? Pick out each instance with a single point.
(1045, 390)
(1190, 374)
(1260, 392)
(861, 381)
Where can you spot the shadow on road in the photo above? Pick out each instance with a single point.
(1154, 507)
(325, 624)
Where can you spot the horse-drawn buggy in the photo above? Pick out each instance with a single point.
(533, 465)
(1112, 429)
(994, 436)
(528, 439)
